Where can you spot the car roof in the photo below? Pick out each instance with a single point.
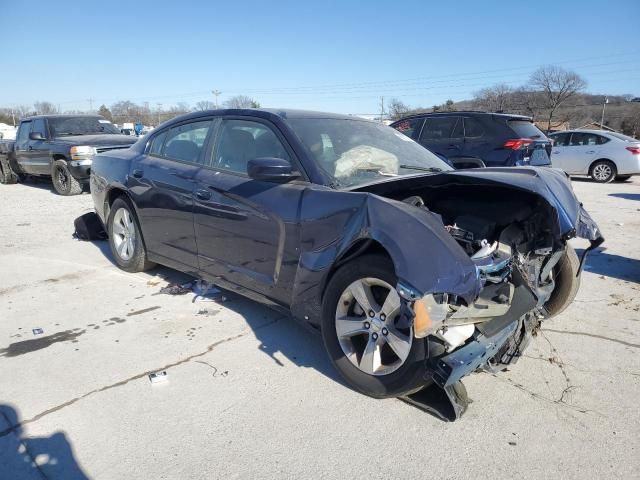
(509, 116)
(267, 113)
(582, 130)
(57, 115)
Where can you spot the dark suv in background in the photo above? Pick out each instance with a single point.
(479, 139)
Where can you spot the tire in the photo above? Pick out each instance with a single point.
(622, 178)
(393, 377)
(7, 175)
(602, 171)
(63, 182)
(567, 283)
(125, 240)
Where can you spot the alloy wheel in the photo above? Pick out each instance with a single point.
(367, 329)
(123, 234)
(602, 172)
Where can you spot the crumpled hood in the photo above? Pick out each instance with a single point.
(98, 140)
(551, 184)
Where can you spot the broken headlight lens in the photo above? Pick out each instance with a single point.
(430, 314)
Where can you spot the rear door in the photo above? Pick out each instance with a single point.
(162, 183)
(246, 229)
(476, 140)
(584, 148)
(22, 147)
(444, 135)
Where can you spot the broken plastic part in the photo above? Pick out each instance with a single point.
(430, 315)
(457, 335)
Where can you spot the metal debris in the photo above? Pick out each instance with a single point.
(158, 377)
(37, 331)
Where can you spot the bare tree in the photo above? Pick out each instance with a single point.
(497, 98)
(205, 105)
(397, 109)
(45, 108)
(557, 86)
(241, 101)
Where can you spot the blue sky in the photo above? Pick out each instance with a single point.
(331, 55)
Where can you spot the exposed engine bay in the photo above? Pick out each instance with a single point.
(508, 236)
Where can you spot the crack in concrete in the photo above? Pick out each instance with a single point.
(593, 335)
(40, 415)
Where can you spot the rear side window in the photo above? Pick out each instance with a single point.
(561, 139)
(438, 128)
(472, 128)
(410, 127)
(23, 132)
(525, 129)
(186, 142)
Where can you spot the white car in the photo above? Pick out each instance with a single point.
(602, 155)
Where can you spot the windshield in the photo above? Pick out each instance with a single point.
(61, 126)
(353, 152)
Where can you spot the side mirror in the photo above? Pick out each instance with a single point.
(273, 169)
(36, 136)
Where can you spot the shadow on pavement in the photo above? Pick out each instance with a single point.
(626, 196)
(24, 458)
(602, 263)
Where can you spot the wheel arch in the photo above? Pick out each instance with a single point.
(111, 196)
(615, 166)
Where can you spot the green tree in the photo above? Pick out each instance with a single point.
(103, 111)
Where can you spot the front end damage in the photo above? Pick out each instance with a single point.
(515, 231)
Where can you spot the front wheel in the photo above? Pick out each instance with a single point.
(125, 238)
(567, 283)
(603, 171)
(374, 352)
(63, 182)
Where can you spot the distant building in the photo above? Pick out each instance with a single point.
(598, 126)
(555, 126)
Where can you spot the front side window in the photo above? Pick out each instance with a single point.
(584, 139)
(438, 128)
(472, 128)
(243, 140)
(410, 127)
(185, 142)
(38, 126)
(561, 139)
(157, 143)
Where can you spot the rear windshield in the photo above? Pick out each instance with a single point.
(623, 137)
(525, 129)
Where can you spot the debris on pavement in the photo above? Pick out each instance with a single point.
(37, 331)
(158, 377)
(175, 289)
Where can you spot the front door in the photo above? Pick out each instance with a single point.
(162, 182)
(39, 159)
(247, 229)
(23, 147)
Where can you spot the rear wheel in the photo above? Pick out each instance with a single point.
(125, 238)
(371, 349)
(603, 171)
(63, 182)
(566, 283)
(622, 178)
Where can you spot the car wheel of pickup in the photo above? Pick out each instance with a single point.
(603, 171)
(360, 329)
(7, 175)
(566, 283)
(125, 240)
(63, 182)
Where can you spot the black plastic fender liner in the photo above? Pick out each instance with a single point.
(448, 404)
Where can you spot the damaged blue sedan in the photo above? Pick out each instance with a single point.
(414, 273)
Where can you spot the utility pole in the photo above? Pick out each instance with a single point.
(216, 93)
(159, 109)
(90, 100)
(604, 103)
(381, 108)
(13, 117)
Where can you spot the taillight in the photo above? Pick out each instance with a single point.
(634, 150)
(517, 143)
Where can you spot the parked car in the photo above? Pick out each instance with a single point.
(602, 155)
(61, 147)
(479, 139)
(413, 272)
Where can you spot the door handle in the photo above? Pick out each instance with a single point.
(138, 173)
(203, 194)
(591, 151)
